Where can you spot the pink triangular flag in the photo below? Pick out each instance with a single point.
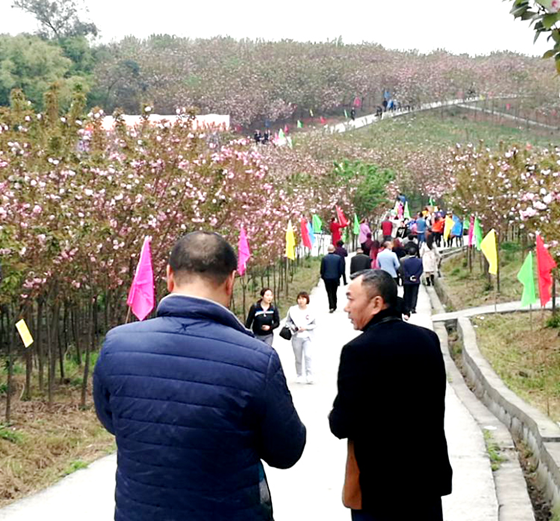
(141, 296)
(244, 254)
(471, 231)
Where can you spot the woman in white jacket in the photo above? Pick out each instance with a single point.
(430, 259)
(301, 320)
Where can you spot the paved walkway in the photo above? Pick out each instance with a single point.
(312, 489)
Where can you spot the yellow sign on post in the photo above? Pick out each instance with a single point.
(24, 333)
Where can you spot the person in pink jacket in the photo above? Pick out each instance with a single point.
(364, 230)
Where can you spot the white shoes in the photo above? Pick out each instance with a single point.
(300, 380)
(310, 380)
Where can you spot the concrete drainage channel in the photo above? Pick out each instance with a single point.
(504, 417)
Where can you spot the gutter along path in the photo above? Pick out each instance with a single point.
(311, 489)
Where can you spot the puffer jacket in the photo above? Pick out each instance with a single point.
(195, 403)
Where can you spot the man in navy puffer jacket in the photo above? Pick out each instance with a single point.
(195, 401)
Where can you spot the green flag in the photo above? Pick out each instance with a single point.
(344, 235)
(317, 224)
(477, 233)
(345, 113)
(432, 202)
(466, 224)
(281, 134)
(526, 277)
(356, 225)
(299, 124)
(406, 213)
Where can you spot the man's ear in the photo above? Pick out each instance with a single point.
(170, 279)
(230, 282)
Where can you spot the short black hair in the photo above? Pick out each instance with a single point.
(203, 254)
(378, 283)
(340, 243)
(303, 294)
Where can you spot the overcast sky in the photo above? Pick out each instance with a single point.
(474, 27)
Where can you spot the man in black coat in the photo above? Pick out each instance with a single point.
(359, 262)
(391, 403)
(332, 267)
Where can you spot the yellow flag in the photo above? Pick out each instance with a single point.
(24, 333)
(290, 242)
(449, 223)
(488, 247)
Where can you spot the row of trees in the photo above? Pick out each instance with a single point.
(253, 81)
(77, 202)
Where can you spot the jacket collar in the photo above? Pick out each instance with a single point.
(176, 305)
(382, 316)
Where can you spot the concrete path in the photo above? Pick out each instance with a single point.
(504, 307)
(312, 489)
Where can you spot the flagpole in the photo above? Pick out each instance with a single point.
(127, 315)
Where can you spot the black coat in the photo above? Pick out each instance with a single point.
(359, 262)
(391, 402)
(332, 267)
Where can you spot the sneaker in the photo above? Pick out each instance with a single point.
(310, 380)
(300, 380)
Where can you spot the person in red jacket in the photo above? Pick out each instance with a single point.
(335, 231)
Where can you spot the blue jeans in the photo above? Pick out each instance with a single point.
(430, 511)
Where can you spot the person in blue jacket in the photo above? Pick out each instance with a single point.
(412, 276)
(195, 402)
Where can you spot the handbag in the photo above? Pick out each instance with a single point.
(286, 333)
(351, 492)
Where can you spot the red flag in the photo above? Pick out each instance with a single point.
(305, 234)
(323, 121)
(545, 264)
(244, 253)
(357, 102)
(341, 218)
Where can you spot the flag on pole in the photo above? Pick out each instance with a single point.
(290, 242)
(299, 124)
(305, 234)
(141, 297)
(432, 202)
(345, 113)
(356, 225)
(471, 231)
(477, 233)
(341, 217)
(290, 142)
(281, 134)
(406, 213)
(243, 252)
(545, 264)
(448, 226)
(527, 278)
(317, 224)
(466, 224)
(24, 333)
(323, 121)
(397, 208)
(489, 249)
(311, 113)
(311, 233)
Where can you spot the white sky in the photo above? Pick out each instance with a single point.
(474, 27)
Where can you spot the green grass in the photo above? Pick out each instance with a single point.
(525, 354)
(456, 126)
(493, 450)
(74, 466)
(468, 286)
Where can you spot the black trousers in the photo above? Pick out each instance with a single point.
(331, 286)
(427, 510)
(411, 296)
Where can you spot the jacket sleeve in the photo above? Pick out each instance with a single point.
(101, 395)
(344, 415)
(250, 317)
(282, 434)
(275, 319)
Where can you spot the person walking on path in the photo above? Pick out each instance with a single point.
(359, 262)
(374, 251)
(263, 317)
(421, 228)
(342, 252)
(366, 246)
(332, 267)
(377, 411)
(412, 276)
(301, 321)
(437, 229)
(194, 400)
(335, 228)
(363, 235)
(430, 260)
(387, 229)
(388, 261)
